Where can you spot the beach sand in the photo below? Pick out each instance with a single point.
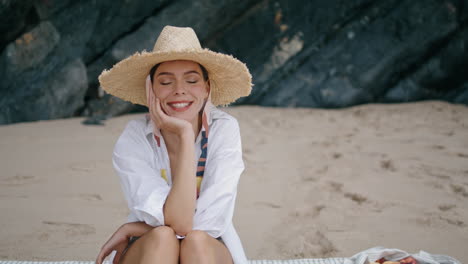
(318, 183)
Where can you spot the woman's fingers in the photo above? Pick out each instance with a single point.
(118, 241)
(108, 247)
(119, 252)
(106, 252)
(148, 89)
(152, 103)
(156, 112)
(117, 257)
(159, 112)
(102, 255)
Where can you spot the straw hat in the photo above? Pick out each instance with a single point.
(229, 78)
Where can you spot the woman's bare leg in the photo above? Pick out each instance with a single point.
(199, 247)
(158, 245)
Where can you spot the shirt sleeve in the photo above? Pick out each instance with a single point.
(215, 206)
(142, 185)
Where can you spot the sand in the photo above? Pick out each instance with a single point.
(318, 183)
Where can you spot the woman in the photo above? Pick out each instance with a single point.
(180, 165)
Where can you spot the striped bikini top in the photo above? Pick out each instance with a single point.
(201, 161)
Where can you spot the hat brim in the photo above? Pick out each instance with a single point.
(229, 78)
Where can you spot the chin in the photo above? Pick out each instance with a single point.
(185, 116)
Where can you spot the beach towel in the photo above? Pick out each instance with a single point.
(393, 254)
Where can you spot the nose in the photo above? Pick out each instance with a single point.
(179, 88)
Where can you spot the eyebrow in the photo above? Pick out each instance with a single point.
(170, 73)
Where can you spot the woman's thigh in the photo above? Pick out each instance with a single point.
(199, 247)
(159, 244)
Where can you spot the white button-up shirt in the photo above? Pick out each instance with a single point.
(141, 160)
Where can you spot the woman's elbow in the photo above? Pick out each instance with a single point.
(182, 230)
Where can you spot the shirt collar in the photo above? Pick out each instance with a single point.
(206, 122)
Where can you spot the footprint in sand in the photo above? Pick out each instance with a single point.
(439, 147)
(446, 207)
(14, 196)
(449, 133)
(308, 240)
(434, 184)
(335, 186)
(440, 173)
(307, 244)
(454, 222)
(359, 199)
(337, 155)
(86, 196)
(442, 176)
(84, 166)
(359, 113)
(460, 190)
(71, 229)
(19, 179)
(91, 197)
(43, 237)
(322, 170)
(308, 176)
(325, 144)
(379, 207)
(434, 219)
(269, 205)
(388, 165)
(309, 179)
(308, 212)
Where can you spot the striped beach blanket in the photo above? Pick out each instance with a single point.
(292, 261)
(364, 257)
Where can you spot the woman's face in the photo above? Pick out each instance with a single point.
(181, 89)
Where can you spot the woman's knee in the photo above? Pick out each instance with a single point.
(195, 242)
(161, 233)
(196, 237)
(158, 243)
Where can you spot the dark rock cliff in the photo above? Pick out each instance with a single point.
(316, 53)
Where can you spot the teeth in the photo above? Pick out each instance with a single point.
(180, 105)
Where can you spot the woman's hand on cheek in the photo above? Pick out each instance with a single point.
(171, 124)
(161, 119)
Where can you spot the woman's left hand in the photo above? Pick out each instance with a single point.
(118, 241)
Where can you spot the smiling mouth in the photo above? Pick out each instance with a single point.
(180, 106)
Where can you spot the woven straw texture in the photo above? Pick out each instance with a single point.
(230, 79)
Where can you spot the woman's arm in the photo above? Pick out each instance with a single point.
(179, 207)
(180, 203)
(144, 189)
(133, 229)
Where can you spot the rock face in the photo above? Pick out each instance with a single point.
(301, 53)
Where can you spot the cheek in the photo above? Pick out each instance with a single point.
(161, 91)
(201, 92)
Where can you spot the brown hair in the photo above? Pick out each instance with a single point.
(155, 67)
